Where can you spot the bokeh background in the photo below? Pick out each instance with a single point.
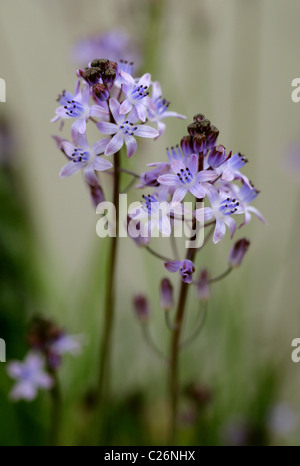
(234, 61)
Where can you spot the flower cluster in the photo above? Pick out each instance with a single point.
(207, 172)
(108, 95)
(48, 343)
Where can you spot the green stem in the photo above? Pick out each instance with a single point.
(220, 277)
(109, 303)
(175, 342)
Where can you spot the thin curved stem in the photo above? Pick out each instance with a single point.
(171, 326)
(220, 277)
(156, 254)
(150, 342)
(174, 247)
(129, 186)
(129, 172)
(199, 326)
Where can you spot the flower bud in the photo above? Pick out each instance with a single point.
(166, 294)
(91, 75)
(237, 252)
(187, 145)
(217, 156)
(199, 117)
(141, 307)
(203, 287)
(101, 63)
(109, 75)
(100, 91)
(199, 143)
(212, 137)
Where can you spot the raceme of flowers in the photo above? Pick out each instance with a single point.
(125, 108)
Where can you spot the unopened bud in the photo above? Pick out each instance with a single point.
(92, 75)
(212, 137)
(109, 75)
(199, 143)
(217, 156)
(237, 252)
(166, 294)
(199, 117)
(203, 287)
(141, 307)
(186, 144)
(101, 63)
(101, 91)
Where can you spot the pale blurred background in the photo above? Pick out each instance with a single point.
(234, 61)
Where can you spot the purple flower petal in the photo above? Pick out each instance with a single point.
(125, 107)
(219, 232)
(161, 128)
(115, 144)
(107, 128)
(115, 110)
(90, 176)
(131, 145)
(80, 126)
(145, 80)
(97, 111)
(179, 194)
(256, 212)
(172, 266)
(169, 180)
(193, 164)
(197, 191)
(70, 169)
(206, 175)
(101, 164)
(141, 111)
(146, 131)
(230, 222)
(99, 146)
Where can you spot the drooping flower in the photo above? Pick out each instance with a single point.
(141, 307)
(238, 252)
(83, 157)
(202, 285)
(124, 131)
(159, 109)
(222, 209)
(188, 178)
(186, 269)
(166, 294)
(30, 376)
(77, 107)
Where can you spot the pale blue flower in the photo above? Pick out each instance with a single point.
(30, 376)
(124, 131)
